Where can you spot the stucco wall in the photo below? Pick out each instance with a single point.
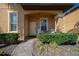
(4, 8)
(70, 22)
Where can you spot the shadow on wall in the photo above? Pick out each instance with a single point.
(75, 29)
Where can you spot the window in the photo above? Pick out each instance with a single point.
(43, 25)
(12, 21)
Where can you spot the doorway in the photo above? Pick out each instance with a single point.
(32, 28)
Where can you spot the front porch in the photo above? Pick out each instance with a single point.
(36, 23)
(43, 18)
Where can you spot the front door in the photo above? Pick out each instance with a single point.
(43, 25)
(32, 28)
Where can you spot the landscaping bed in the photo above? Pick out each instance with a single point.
(40, 49)
(8, 41)
(56, 44)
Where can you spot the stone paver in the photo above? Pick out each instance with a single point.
(24, 49)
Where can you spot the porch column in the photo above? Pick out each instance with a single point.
(21, 26)
(59, 22)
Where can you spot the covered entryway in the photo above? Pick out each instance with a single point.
(42, 17)
(40, 22)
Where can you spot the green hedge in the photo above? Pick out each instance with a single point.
(58, 38)
(9, 38)
(45, 38)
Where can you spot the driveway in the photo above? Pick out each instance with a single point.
(24, 49)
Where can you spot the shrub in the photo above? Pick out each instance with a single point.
(44, 38)
(72, 38)
(64, 38)
(58, 38)
(9, 38)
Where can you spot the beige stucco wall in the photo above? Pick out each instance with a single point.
(4, 8)
(70, 22)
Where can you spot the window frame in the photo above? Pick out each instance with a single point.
(9, 25)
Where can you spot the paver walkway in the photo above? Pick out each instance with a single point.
(24, 49)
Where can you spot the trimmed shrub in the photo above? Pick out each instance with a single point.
(2, 38)
(45, 38)
(58, 38)
(72, 38)
(64, 38)
(9, 38)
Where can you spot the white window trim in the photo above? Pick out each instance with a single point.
(47, 22)
(9, 22)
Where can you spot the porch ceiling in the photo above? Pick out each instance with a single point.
(46, 6)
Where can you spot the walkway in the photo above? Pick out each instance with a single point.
(24, 49)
